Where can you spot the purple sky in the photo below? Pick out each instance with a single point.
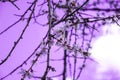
(32, 38)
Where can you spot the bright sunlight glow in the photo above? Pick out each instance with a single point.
(106, 49)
